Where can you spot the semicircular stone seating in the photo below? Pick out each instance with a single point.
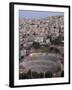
(42, 63)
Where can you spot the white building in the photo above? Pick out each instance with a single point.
(23, 52)
(48, 41)
(39, 39)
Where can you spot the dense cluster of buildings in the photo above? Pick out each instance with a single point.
(39, 30)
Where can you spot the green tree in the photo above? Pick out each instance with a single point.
(62, 74)
(29, 73)
(35, 75)
(57, 40)
(20, 76)
(48, 74)
(23, 76)
(36, 45)
(41, 75)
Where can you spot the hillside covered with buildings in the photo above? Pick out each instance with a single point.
(41, 47)
(40, 30)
